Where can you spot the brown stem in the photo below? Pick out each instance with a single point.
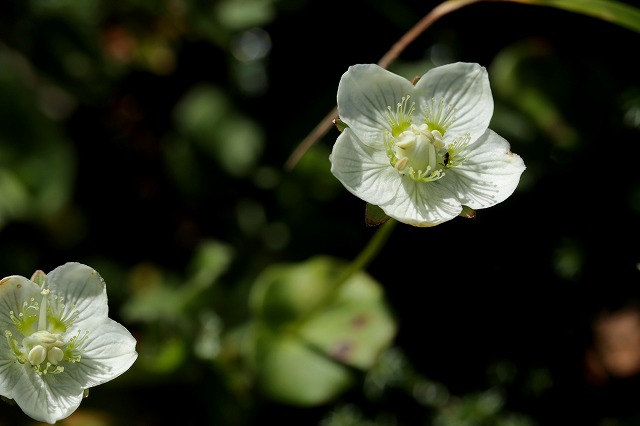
(323, 127)
(422, 25)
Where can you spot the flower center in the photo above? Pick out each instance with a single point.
(42, 326)
(418, 153)
(41, 346)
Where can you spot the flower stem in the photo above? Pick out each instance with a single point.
(365, 257)
(358, 264)
(325, 125)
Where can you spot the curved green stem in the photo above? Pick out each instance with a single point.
(325, 125)
(360, 263)
(365, 257)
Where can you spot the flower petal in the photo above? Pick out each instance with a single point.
(14, 291)
(465, 86)
(364, 93)
(364, 170)
(490, 173)
(9, 371)
(422, 204)
(48, 397)
(109, 352)
(83, 289)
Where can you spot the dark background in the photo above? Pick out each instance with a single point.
(519, 287)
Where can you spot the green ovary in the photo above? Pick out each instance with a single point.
(41, 346)
(418, 153)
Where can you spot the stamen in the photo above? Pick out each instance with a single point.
(13, 344)
(438, 116)
(389, 147)
(425, 176)
(454, 155)
(27, 317)
(75, 347)
(60, 318)
(401, 119)
(402, 164)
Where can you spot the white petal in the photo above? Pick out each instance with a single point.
(466, 87)
(422, 204)
(14, 291)
(364, 93)
(10, 373)
(46, 398)
(109, 352)
(364, 170)
(83, 289)
(490, 173)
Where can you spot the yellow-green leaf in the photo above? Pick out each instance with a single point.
(618, 13)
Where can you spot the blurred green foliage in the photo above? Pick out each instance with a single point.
(147, 140)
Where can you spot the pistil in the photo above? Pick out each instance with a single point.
(416, 153)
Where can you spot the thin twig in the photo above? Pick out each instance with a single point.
(323, 127)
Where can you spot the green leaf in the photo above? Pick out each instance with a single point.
(309, 330)
(37, 161)
(206, 117)
(285, 293)
(621, 14)
(352, 333)
(292, 372)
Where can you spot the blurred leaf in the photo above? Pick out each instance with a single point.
(70, 9)
(568, 259)
(200, 111)
(211, 259)
(345, 415)
(306, 318)
(239, 144)
(242, 14)
(612, 11)
(36, 160)
(14, 199)
(165, 356)
(285, 293)
(157, 297)
(515, 77)
(289, 370)
(354, 333)
(206, 344)
(152, 299)
(207, 117)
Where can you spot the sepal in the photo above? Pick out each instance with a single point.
(467, 212)
(340, 125)
(374, 215)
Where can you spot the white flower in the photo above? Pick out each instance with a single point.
(58, 340)
(422, 152)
